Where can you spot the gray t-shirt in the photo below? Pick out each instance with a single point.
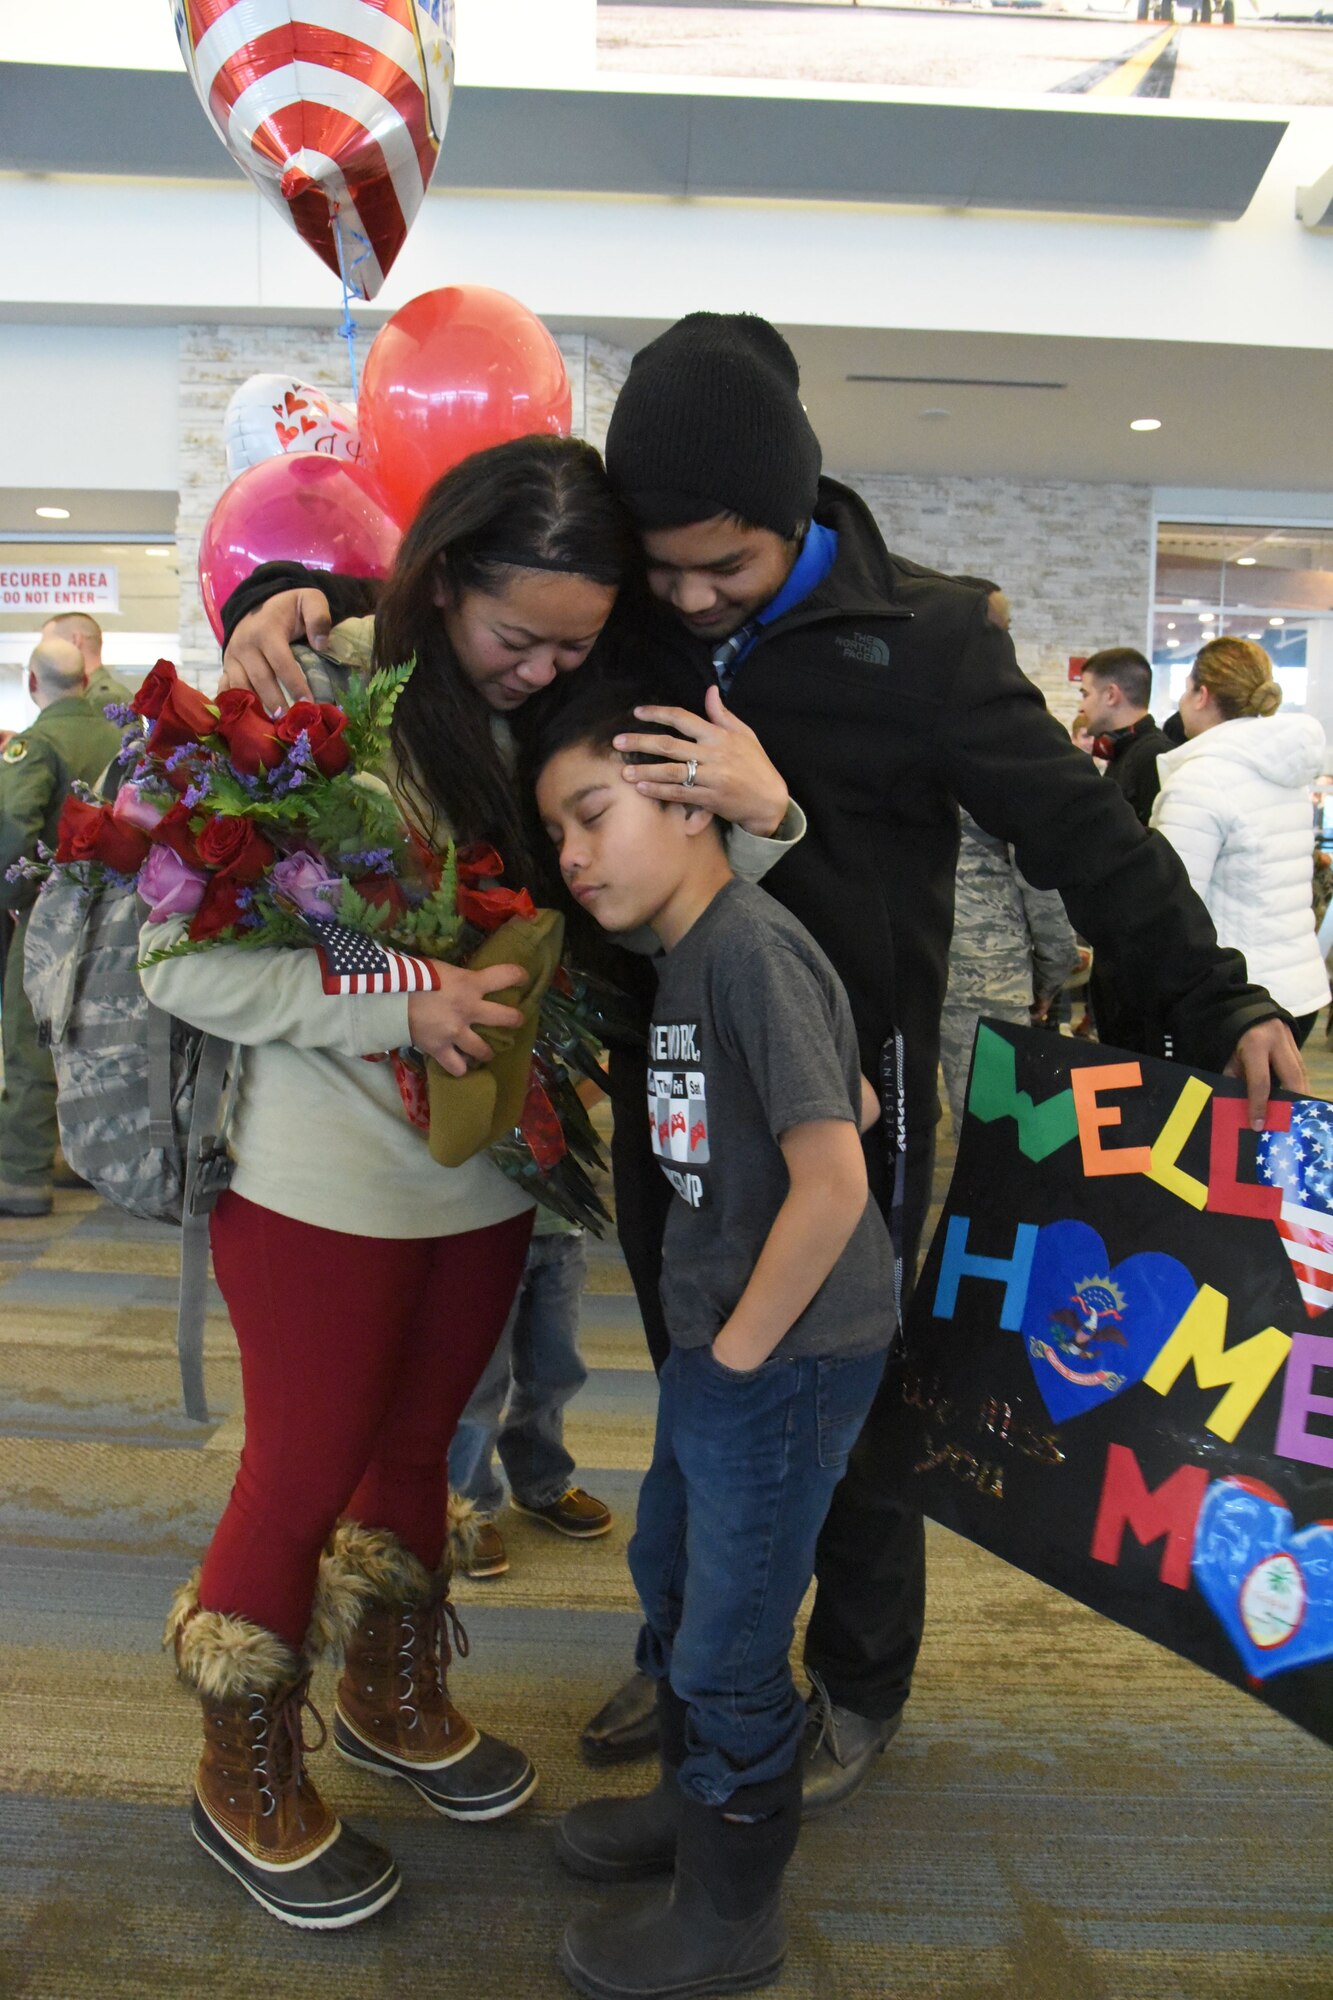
(752, 1035)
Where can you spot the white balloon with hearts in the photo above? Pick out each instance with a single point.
(271, 416)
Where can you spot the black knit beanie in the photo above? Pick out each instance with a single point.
(710, 422)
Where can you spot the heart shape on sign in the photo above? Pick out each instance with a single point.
(285, 433)
(1270, 1589)
(1091, 1329)
(295, 403)
(310, 423)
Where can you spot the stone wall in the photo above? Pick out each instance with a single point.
(1075, 560)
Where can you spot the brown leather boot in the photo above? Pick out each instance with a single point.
(256, 1810)
(393, 1713)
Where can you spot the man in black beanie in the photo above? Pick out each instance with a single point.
(885, 696)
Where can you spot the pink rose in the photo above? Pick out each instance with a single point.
(169, 886)
(137, 808)
(306, 882)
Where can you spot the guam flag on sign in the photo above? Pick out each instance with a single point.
(1119, 1357)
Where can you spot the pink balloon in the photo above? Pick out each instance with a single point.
(304, 509)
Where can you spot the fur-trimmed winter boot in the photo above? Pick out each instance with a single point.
(256, 1810)
(623, 1840)
(393, 1712)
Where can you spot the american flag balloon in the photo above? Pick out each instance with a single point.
(335, 108)
(1300, 1164)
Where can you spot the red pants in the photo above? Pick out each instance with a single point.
(358, 1356)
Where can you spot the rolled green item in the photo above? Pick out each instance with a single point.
(469, 1113)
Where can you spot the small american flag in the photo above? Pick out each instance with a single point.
(1300, 1163)
(351, 962)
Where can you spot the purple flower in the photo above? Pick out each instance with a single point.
(372, 861)
(169, 886)
(306, 883)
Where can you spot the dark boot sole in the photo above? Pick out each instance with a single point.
(693, 1989)
(497, 1807)
(339, 1917)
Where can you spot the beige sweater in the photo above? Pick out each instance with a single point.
(319, 1133)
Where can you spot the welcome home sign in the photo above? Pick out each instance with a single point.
(1118, 1371)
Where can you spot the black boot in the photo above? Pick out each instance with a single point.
(719, 1928)
(622, 1840)
(624, 1727)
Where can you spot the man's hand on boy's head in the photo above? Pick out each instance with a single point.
(733, 776)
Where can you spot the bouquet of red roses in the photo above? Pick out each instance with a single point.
(264, 831)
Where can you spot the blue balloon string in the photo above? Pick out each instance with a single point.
(347, 327)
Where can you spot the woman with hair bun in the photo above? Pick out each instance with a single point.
(1235, 804)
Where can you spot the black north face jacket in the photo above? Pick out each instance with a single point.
(886, 699)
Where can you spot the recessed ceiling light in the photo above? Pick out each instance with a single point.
(1246, 562)
(1146, 424)
(1277, 621)
(1208, 618)
(1254, 635)
(53, 513)
(1173, 642)
(935, 414)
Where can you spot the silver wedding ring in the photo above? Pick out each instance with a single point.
(691, 772)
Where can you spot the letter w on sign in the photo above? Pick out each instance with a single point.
(351, 962)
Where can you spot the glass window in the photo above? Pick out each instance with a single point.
(1271, 584)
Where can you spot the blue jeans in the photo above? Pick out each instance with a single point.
(744, 1467)
(537, 1367)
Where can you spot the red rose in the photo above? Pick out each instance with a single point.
(235, 848)
(153, 691)
(182, 717)
(381, 892)
(173, 831)
(323, 724)
(92, 833)
(489, 908)
(251, 739)
(477, 862)
(220, 909)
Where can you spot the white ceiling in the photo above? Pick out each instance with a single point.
(1231, 417)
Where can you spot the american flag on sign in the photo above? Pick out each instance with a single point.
(1300, 1163)
(351, 962)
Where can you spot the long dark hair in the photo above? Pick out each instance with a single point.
(544, 499)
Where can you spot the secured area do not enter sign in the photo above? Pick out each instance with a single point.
(52, 588)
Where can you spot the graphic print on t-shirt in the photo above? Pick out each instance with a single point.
(678, 1106)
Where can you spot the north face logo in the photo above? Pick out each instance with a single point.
(863, 647)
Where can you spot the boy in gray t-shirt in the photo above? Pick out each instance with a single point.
(778, 1291)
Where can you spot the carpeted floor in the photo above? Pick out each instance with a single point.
(1067, 1814)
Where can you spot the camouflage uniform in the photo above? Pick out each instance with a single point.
(69, 740)
(1011, 943)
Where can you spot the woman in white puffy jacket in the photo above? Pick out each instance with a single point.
(1235, 804)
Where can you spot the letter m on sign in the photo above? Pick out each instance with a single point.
(1171, 1511)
